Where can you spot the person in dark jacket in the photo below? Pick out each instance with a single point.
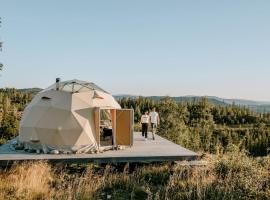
(145, 119)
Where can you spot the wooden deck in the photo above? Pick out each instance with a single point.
(158, 150)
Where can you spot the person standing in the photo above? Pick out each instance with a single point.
(154, 116)
(145, 119)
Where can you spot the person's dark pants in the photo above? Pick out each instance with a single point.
(144, 130)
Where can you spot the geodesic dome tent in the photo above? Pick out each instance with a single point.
(62, 117)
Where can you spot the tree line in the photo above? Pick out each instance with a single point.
(202, 126)
(12, 104)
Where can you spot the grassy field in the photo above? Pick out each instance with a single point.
(230, 176)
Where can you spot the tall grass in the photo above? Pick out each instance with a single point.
(27, 181)
(230, 176)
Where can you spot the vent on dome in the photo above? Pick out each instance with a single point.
(58, 83)
(46, 98)
(97, 96)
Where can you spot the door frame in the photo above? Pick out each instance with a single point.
(98, 134)
(114, 126)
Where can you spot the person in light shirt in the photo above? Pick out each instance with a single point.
(145, 119)
(154, 117)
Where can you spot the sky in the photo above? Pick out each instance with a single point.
(143, 47)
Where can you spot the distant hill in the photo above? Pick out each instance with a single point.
(241, 101)
(257, 106)
(32, 91)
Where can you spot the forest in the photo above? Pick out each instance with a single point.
(12, 104)
(202, 126)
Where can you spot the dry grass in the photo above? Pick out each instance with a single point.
(27, 181)
(231, 176)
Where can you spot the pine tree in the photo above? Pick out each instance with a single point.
(9, 126)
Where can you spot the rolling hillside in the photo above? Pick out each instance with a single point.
(257, 106)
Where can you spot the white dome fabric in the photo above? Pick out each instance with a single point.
(64, 119)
